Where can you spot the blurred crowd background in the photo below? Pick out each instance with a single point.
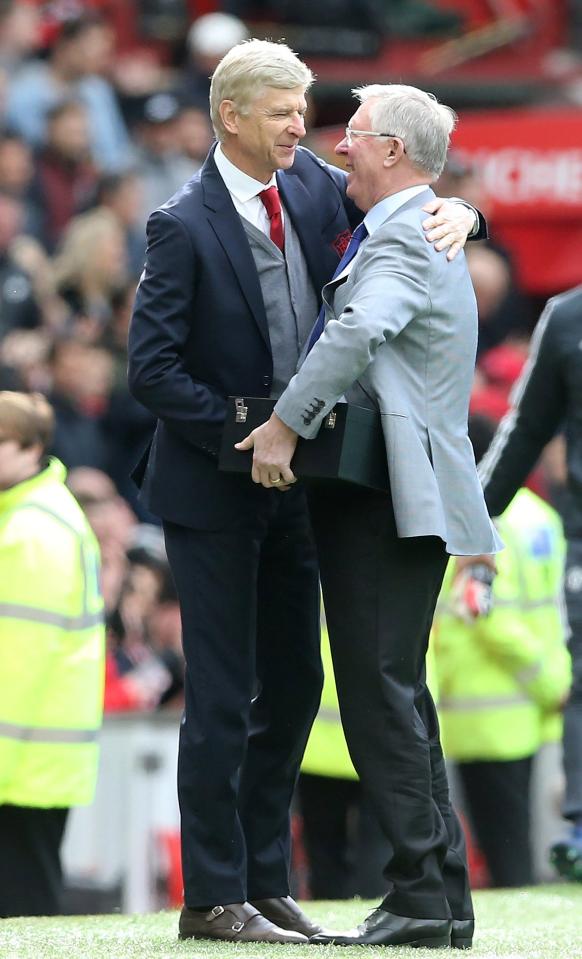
(104, 114)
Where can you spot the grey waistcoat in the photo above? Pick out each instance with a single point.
(289, 298)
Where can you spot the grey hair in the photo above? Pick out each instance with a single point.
(424, 124)
(247, 69)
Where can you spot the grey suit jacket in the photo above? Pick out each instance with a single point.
(402, 325)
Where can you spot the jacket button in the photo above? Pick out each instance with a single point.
(266, 380)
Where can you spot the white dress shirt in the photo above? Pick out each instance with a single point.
(244, 191)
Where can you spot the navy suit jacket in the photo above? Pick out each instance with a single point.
(199, 331)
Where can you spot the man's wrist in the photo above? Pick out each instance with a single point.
(475, 228)
(282, 425)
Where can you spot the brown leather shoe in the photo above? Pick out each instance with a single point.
(285, 912)
(235, 922)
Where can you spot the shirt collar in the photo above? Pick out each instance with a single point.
(237, 182)
(381, 211)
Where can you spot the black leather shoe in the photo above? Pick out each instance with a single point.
(462, 933)
(383, 928)
(235, 922)
(286, 914)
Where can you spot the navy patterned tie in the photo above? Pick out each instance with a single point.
(359, 234)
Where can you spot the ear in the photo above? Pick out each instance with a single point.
(229, 116)
(394, 152)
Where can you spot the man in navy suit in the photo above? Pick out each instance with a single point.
(235, 264)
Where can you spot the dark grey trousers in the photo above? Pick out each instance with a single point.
(379, 593)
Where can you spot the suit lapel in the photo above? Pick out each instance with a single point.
(226, 223)
(329, 290)
(299, 205)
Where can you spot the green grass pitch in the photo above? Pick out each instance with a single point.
(540, 923)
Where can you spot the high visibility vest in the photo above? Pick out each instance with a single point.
(502, 678)
(52, 645)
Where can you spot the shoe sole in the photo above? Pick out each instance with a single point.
(275, 942)
(442, 942)
(431, 943)
(459, 943)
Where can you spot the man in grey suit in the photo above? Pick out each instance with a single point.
(400, 336)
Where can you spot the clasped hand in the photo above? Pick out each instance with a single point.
(273, 446)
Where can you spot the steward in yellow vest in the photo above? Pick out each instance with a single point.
(51, 658)
(503, 679)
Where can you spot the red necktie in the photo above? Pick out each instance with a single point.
(272, 205)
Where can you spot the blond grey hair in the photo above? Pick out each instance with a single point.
(247, 69)
(424, 124)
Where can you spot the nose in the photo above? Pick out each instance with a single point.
(341, 148)
(297, 125)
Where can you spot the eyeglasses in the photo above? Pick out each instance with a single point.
(350, 134)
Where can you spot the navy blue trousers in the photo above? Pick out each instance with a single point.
(249, 597)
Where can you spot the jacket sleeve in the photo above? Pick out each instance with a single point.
(482, 232)
(158, 334)
(388, 292)
(339, 177)
(538, 405)
(534, 652)
(544, 675)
